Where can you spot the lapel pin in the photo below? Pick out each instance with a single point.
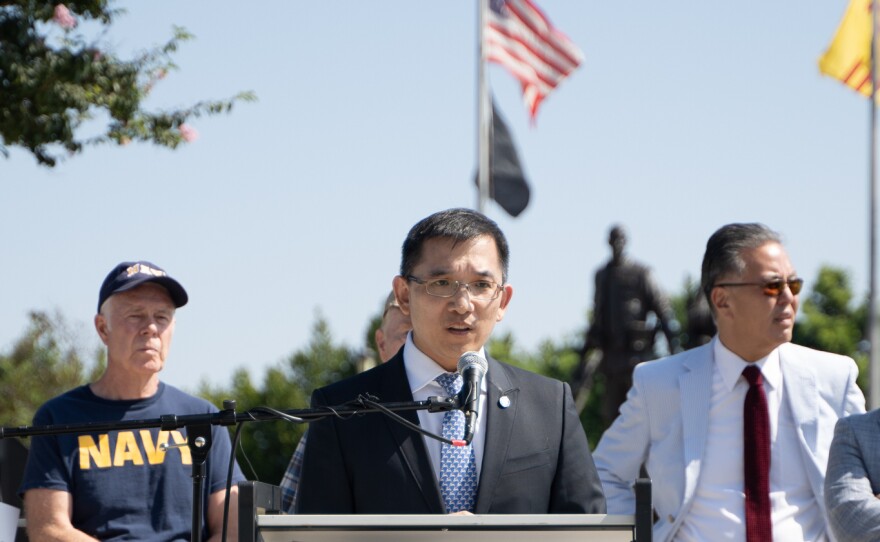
(504, 401)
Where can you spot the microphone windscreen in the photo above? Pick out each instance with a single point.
(471, 359)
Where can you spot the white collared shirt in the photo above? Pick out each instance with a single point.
(421, 372)
(718, 510)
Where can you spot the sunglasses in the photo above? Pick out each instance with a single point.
(771, 288)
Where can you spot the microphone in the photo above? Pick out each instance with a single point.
(472, 368)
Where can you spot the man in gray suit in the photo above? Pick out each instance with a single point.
(735, 433)
(852, 484)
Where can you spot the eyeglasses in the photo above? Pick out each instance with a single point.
(772, 288)
(480, 290)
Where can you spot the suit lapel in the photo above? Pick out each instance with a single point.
(499, 428)
(396, 388)
(695, 388)
(800, 391)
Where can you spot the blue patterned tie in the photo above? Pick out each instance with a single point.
(458, 466)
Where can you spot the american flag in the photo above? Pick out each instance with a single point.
(520, 38)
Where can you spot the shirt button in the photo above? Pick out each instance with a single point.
(670, 518)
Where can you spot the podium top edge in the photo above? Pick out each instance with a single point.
(441, 520)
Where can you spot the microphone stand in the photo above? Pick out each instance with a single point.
(198, 430)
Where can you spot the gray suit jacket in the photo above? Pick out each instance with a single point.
(853, 479)
(536, 458)
(665, 420)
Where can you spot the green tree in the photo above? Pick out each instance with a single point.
(53, 79)
(829, 320)
(268, 445)
(43, 363)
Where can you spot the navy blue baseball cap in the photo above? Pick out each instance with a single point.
(128, 275)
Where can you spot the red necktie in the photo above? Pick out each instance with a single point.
(756, 457)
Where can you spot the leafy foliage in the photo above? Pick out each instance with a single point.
(269, 444)
(50, 85)
(44, 363)
(829, 321)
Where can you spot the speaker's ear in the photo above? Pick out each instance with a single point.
(401, 292)
(720, 298)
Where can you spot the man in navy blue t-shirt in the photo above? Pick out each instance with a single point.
(125, 485)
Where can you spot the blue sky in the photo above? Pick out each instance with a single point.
(683, 117)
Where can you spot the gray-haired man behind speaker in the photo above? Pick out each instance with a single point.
(529, 454)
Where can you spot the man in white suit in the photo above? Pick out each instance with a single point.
(691, 418)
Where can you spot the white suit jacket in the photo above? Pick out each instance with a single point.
(665, 419)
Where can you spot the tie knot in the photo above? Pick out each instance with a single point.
(753, 375)
(451, 382)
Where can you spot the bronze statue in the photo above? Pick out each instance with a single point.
(628, 311)
(700, 326)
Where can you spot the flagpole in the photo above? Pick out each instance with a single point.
(873, 362)
(483, 113)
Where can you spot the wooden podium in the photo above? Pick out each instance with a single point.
(260, 520)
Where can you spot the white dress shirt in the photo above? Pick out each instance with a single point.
(718, 511)
(421, 372)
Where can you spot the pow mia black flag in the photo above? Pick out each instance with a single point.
(507, 182)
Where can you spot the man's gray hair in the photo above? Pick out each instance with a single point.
(724, 252)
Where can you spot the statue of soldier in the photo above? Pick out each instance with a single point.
(622, 326)
(700, 326)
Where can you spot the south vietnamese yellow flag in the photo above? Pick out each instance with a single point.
(849, 56)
